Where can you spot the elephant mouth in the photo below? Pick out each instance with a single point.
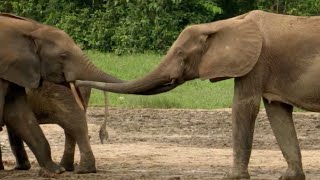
(75, 92)
(163, 87)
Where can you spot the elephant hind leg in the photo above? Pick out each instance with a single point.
(280, 117)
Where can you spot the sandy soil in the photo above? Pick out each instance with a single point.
(174, 144)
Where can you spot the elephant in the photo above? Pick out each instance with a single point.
(30, 54)
(53, 104)
(270, 56)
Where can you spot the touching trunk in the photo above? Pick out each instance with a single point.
(92, 73)
(86, 70)
(149, 84)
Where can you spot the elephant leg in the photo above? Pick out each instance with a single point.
(3, 91)
(19, 118)
(245, 108)
(1, 162)
(280, 117)
(87, 159)
(18, 150)
(68, 154)
(78, 131)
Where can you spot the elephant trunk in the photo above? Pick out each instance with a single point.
(86, 71)
(90, 72)
(153, 83)
(95, 74)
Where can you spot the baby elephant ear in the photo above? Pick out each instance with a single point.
(233, 48)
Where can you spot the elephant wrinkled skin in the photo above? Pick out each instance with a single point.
(270, 56)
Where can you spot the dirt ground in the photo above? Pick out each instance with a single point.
(174, 144)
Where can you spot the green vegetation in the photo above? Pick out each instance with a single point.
(193, 94)
(140, 30)
(137, 26)
(120, 26)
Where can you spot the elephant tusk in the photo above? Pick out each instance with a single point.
(171, 82)
(76, 95)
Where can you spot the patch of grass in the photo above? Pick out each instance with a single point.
(192, 94)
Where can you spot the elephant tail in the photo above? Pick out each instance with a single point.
(103, 133)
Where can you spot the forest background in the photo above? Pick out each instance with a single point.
(131, 26)
(128, 38)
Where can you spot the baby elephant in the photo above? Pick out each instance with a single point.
(55, 104)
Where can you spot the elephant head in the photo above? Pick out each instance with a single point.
(31, 52)
(219, 50)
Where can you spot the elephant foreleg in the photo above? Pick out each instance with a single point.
(244, 114)
(245, 108)
(3, 91)
(280, 117)
(18, 150)
(68, 154)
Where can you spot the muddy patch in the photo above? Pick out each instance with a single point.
(174, 144)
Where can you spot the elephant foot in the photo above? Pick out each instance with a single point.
(68, 165)
(236, 174)
(87, 164)
(293, 175)
(54, 168)
(86, 169)
(23, 166)
(51, 170)
(45, 173)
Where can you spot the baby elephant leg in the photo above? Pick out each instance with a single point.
(78, 132)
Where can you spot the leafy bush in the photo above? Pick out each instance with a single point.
(123, 26)
(131, 26)
(292, 7)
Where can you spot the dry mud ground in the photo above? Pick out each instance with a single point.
(175, 144)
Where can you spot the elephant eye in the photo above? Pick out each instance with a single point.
(181, 54)
(64, 55)
(179, 51)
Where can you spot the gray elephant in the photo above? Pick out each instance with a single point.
(31, 53)
(270, 56)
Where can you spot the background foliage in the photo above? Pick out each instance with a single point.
(131, 26)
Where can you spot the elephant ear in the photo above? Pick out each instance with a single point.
(19, 62)
(233, 48)
(17, 17)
